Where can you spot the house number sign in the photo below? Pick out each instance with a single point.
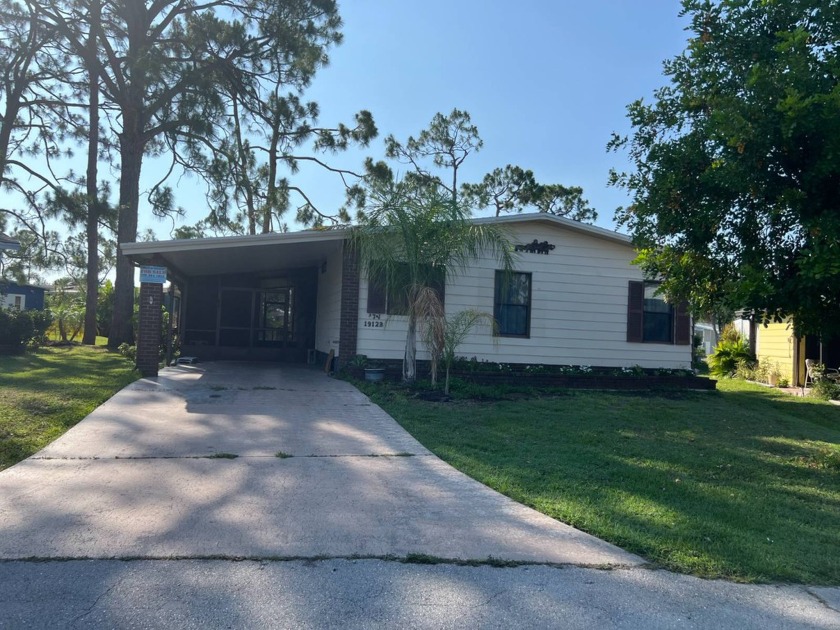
(535, 247)
(375, 321)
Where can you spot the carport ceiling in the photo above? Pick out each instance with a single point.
(237, 254)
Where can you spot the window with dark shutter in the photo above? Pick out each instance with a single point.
(682, 325)
(650, 319)
(376, 302)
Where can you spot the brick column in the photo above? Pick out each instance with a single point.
(349, 329)
(148, 329)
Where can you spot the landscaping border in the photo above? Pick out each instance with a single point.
(596, 378)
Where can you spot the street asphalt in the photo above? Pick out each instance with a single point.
(242, 495)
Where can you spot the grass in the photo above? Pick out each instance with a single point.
(44, 393)
(742, 483)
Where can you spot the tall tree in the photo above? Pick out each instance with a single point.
(251, 167)
(736, 163)
(34, 111)
(507, 189)
(412, 235)
(447, 142)
(163, 67)
(514, 189)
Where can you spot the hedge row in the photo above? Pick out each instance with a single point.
(18, 328)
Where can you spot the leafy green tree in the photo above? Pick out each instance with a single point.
(411, 234)
(736, 163)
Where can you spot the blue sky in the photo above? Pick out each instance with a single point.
(545, 82)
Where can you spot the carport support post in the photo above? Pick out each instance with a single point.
(149, 327)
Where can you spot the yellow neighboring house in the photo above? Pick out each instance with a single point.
(776, 344)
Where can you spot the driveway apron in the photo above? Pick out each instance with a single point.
(240, 460)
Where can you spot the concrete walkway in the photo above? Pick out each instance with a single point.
(241, 495)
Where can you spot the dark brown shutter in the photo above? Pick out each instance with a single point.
(376, 294)
(682, 325)
(635, 311)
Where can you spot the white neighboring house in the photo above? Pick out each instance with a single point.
(708, 335)
(574, 299)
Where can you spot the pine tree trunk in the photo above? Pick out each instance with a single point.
(92, 223)
(131, 151)
(132, 146)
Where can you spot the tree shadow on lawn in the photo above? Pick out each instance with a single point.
(53, 370)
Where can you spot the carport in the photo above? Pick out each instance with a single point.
(274, 297)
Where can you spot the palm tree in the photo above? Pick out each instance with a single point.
(443, 336)
(411, 236)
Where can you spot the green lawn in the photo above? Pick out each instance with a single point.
(742, 483)
(44, 393)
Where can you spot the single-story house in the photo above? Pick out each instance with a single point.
(21, 296)
(574, 299)
(776, 345)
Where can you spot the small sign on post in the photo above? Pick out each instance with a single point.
(152, 275)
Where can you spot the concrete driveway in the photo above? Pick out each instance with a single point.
(240, 460)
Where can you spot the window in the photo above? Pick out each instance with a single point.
(512, 304)
(657, 318)
(395, 300)
(650, 319)
(18, 302)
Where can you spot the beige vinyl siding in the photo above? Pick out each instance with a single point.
(774, 346)
(578, 308)
(328, 315)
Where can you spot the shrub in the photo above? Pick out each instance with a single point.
(128, 351)
(730, 333)
(18, 328)
(723, 362)
(747, 370)
(824, 389)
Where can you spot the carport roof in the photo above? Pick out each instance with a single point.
(238, 254)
